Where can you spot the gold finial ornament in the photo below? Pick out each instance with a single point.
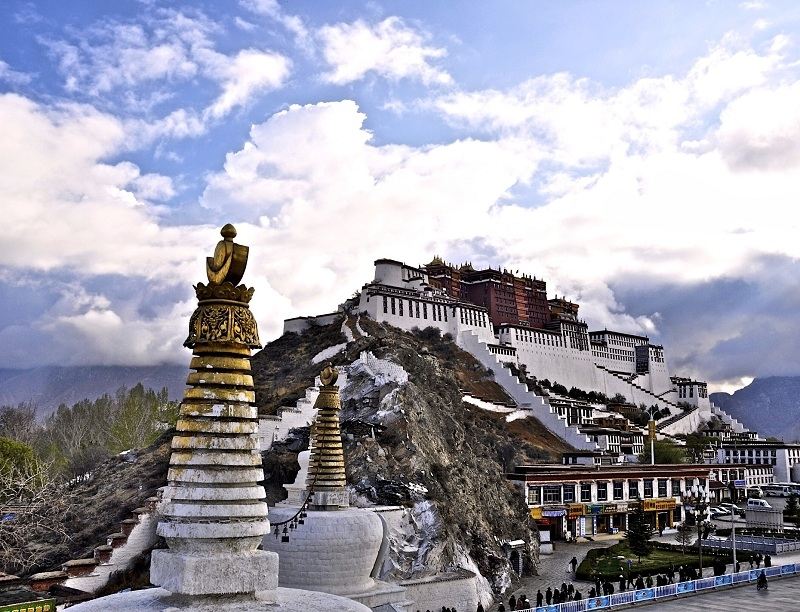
(329, 375)
(229, 260)
(326, 471)
(223, 314)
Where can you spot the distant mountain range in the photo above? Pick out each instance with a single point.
(50, 386)
(770, 406)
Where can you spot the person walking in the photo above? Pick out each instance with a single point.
(548, 596)
(649, 582)
(573, 564)
(621, 583)
(767, 561)
(539, 598)
(639, 582)
(501, 607)
(512, 603)
(578, 596)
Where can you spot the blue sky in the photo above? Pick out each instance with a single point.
(638, 156)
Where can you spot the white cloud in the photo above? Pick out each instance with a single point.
(68, 206)
(390, 49)
(293, 23)
(328, 201)
(140, 62)
(12, 76)
(248, 73)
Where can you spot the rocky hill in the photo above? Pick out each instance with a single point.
(769, 405)
(50, 386)
(413, 441)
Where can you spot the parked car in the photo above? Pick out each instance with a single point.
(755, 493)
(758, 503)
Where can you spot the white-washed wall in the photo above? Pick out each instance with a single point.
(435, 593)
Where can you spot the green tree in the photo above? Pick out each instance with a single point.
(792, 509)
(639, 532)
(14, 456)
(664, 451)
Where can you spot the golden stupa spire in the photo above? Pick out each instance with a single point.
(214, 514)
(326, 472)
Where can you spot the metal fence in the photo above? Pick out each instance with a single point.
(756, 544)
(670, 590)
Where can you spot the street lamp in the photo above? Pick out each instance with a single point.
(697, 501)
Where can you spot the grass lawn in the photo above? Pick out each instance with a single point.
(605, 562)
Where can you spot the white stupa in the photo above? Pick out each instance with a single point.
(329, 546)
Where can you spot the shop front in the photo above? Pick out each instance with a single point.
(593, 519)
(552, 520)
(660, 513)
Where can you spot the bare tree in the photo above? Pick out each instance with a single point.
(684, 535)
(33, 506)
(19, 423)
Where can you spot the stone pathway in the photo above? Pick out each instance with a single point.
(554, 569)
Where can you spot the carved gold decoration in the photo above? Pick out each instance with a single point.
(223, 323)
(225, 291)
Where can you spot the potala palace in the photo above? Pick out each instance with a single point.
(507, 322)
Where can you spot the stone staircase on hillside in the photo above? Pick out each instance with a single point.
(527, 401)
(136, 535)
(735, 425)
(628, 380)
(274, 428)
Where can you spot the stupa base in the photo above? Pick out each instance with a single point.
(194, 574)
(161, 600)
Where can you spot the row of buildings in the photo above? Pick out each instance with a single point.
(587, 499)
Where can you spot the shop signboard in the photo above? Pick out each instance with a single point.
(740, 484)
(575, 510)
(650, 505)
(43, 605)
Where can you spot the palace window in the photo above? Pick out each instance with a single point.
(418, 310)
(618, 489)
(392, 305)
(602, 491)
(424, 310)
(676, 487)
(648, 487)
(662, 487)
(401, 306)
(586, 491)
(535, 495)
(385, 307)
(569, 493)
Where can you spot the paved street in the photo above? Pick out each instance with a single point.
(782, 595)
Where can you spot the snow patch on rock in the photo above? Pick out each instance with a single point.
(479, 403)
(360, 329)
(328, 352)
(518, 414)
(347, 332)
